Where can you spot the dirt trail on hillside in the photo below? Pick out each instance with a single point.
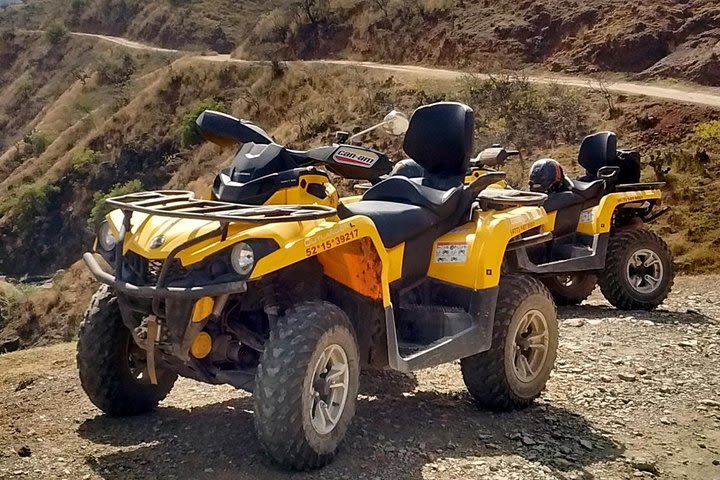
(634, 394)
(706, 97)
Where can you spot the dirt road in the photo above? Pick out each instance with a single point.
(634, 395)
(709, 97)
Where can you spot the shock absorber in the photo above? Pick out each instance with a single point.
(270, 304)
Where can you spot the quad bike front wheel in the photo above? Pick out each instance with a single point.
(638, 270)
(306, 386)
(515, 370)
(112, 367)
(571, 288)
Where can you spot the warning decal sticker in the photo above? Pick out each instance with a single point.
(451, 253)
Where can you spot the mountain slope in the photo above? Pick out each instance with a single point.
(647, 39)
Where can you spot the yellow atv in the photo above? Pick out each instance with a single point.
(596, 226)
(595, 230)
(289, 301)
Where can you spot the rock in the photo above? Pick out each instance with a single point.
(605, 378)
(645, 465)
(688, 343)
(627, 377)
(528, 441)
(574, 322)
(710, 403)
(24, 451)
(716, 462)
(606, 343)
(9, 344)
(586, 444)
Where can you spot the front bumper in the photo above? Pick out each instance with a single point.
(160, 292)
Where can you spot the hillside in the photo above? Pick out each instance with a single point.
(657, 39)
(81, 119)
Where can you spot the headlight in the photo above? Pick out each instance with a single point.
(242, 258)
(105, 238)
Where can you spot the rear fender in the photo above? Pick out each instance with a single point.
(471, 255)
(599, 219)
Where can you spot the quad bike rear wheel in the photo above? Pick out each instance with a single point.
(638, 271)
(571, 288)
(515, 370)
(306, 386)
(112, 367)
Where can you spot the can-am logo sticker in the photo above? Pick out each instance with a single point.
(356, 157)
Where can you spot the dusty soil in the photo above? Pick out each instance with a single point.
(633, 395)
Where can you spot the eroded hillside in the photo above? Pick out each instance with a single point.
(665, 38)
(83, 119)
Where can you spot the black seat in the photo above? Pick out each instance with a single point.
(398, 189)
(587, 190)
(395, 222)
(439, 139)
(570, 203)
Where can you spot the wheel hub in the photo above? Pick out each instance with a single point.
(530, 346)
(329, 390)
(644, 271)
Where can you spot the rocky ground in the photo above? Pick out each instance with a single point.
(633, 395)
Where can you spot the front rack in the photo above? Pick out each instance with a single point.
(183, 204)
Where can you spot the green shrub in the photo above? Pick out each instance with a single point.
(708, 133)
(510, 109)
(100, 209)
(55, 33)
(115, 69)
(189, 132)
(84, 158)
(28, 204)
(38, 142)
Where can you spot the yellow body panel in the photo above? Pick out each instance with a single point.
(472, 254)
(298, 195)
(598, 219)
(475, 173)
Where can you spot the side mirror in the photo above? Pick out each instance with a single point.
(341, 137)
(395, 123)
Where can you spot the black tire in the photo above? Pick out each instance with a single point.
(284, 383)
(572, 288)
(103, 359)
(615, 281)
(491, 377)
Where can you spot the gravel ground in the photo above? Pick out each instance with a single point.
(634, 394)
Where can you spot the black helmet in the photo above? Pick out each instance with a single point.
(407, 168)
(546, 175)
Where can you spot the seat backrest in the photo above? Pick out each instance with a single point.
(440, 138)
(597, 151)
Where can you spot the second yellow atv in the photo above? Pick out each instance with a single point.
(595, 231)
(290, 301)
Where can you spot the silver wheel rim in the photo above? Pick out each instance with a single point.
(530, 346)
(329, 389)
(644, 271)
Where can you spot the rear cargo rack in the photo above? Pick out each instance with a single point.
(183, 204)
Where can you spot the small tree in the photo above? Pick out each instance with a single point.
(316, 11)
(603, 87)
(100, 208)
(55, 33)
(189, 132)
